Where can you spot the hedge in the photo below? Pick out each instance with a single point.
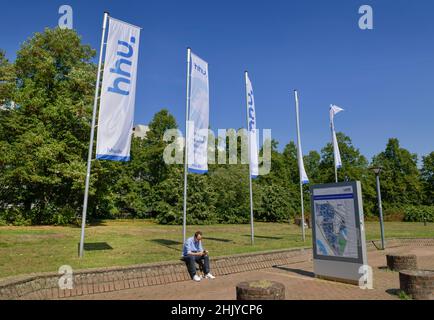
(419, 214)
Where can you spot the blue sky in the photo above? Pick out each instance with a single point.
(383, 78)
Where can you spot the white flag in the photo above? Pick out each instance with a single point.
(303, 176)
(337, 155)
(198, 117)
(333, 111)
(116, 114)
(253, 137)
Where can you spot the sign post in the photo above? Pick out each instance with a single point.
(339, 247)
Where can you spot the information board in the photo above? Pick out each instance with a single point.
(339, 247)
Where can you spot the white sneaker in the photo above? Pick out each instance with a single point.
(196, 278)
(209, 276)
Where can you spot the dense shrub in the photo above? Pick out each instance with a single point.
(13, 216)
(277, 205)
(419, 214)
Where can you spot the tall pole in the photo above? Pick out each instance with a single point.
(252, 231)
(299, 156)
(187, 107)
(380, 209)
(332, 126)
(92, 133)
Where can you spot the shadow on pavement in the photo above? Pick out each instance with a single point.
(385, 268)
(298, 271)
(393, 292)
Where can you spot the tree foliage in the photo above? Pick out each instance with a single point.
(400, 177)
(44, 138)
(427, 173)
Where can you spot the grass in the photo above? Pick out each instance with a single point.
(403, 296)
(25, 250)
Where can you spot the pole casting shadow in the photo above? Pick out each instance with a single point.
(96, 246)
(298, 271)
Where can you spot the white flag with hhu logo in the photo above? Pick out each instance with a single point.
(116, 113)
(251, 129)
(303, 176)
(198, 118)
(337, 155)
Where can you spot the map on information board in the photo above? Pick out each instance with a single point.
(335, 222)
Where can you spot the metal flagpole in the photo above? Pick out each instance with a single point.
(332, 126)
(299, 155)
(252, 231)
(92, 133)
(380, 209)
(187, 105)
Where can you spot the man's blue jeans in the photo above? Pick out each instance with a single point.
(191, 264)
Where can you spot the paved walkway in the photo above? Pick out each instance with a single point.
(298, 279)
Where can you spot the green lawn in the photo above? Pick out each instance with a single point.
(26, 250)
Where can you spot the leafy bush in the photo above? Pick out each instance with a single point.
(64, 216)
(167, 215)
(14, 216)
(419, 214)
(277, 205)
(403, 296)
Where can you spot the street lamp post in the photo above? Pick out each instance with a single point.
(377, 171)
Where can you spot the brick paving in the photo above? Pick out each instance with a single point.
(297, 277)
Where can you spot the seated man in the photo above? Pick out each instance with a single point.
(192, 253)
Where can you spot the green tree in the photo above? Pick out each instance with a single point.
(131, 191)
(154, 145)
(165, 181)
(312, 165)
(278, 204)
(45, 136)
(201, 200)
(427, 174)
(7, 79)
(276, 194)
(167, 198)
(354, 168)
(290, 167)
(354, 164)
(44, 145)
(400, 180)
(231, 186)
